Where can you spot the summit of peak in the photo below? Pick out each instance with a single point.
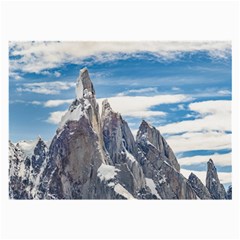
(145, 125)
(84, 84)
(210, 163)
(106, 105)
(83, 70)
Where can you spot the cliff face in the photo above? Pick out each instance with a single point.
(198, 187)
(213, 184)
(97, 157)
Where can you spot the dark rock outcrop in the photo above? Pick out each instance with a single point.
(215, 188)
(158, 148)
(198, 187)
(159, 164)
(229, 192)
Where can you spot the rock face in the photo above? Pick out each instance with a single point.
(229, 192)
(151, 137)
(198, 187)
(93, 157)
(26, 161)
(213, 184)
(160, 164)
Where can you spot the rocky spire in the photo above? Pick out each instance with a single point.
(84, 84)
(198, 187)
(149, 133)
(213, 184)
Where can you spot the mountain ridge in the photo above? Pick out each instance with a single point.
(95, 156)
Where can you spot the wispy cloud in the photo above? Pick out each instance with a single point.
(191, 141)
(207, 132)
(15, 75)
(52, 88)
(175, 88)
(48, 73)
(36, 102)
(140, 106)
(219, 159)
(35, 57)
(224, 92)
(213, 116)
(57, 103)
(139, 91)
(55, 117)
(224, 177)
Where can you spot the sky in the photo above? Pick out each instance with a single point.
(181, 88)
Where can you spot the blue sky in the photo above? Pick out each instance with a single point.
(182, 88)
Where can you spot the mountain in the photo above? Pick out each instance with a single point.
(94, 155)
(26, 162)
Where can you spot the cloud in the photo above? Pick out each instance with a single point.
(55, 117)
(213, 116)
(52, 88)
(35, 57)
(224, 177)
(140, 106)
(56, 103)
(36, 103)
(15, 75)
(48, 73)
(224, 92)
(199, 141)
(219, 159)
(175, 88)
(141, 90)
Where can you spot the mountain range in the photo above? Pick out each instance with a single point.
(94, 155)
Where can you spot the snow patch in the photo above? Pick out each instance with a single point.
(107, 172)
(150, 183)
(163, 179)
(122, 191)
(130, 156)
(28, 147)
(74, 115)
(79, 87)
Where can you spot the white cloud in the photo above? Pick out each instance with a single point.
(175, 88)
(139, 106)
(56, 103)
(214, 116)
(141, 90)
(55, 117)
(224, 177)
(46, 87)
(39, 56)
(199, 141)
(219, 159)
(15, 75)
(48, 73)
(181, 107)
(57, 74)
(36, 103)
(224, 92)
(204, 133)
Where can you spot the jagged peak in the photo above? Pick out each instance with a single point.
(107, 110)
(28, 146)
(106, 105)
(84, 84)
(144, 124)
(144, 128)
(210, 164)
(192, 175)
